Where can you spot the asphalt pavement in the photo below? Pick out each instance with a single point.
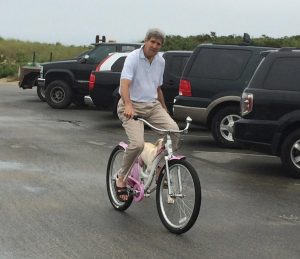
(54, 204)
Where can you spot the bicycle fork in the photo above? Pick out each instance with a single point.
(171, 179)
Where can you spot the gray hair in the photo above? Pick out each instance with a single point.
(155, 33)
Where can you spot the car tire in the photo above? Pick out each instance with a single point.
(290, 153)
(41, 93)
(59, 94)
(222, 126)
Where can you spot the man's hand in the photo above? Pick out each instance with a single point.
(128, 108)
(128, 111)
(161, 99)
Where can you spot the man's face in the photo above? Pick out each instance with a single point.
(152, 47)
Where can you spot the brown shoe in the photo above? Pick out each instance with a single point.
(121, 191)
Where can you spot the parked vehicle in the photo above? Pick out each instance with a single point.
(67, 81)
(113, 62)
(104, 85)
(270, 109)
(175, 64)
(211, 86)
(28, 76)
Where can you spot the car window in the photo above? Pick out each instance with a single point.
(100, 52)
(127, 48)
(284, 74)
(118, 65)
(220, 63)
(177, 65)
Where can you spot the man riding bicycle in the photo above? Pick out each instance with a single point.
(141, 94)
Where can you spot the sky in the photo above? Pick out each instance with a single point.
(77, 22)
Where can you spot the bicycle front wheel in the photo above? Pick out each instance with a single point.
(114, 165)
(179, 210)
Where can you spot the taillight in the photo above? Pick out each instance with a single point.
(246, 103)
(185, 88)
(92, 81)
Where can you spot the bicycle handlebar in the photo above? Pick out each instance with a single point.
(185, 130)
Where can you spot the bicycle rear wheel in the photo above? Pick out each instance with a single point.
(179, 211)
(114, 165)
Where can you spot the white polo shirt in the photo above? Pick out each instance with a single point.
(145, 77)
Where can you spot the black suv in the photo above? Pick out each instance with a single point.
(67, 81)
(211, 86)
(270, 108)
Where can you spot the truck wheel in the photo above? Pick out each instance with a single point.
(41, 93)
(290, 154)
(59, 94)
(222, 126)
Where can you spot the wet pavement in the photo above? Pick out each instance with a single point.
(53, 199)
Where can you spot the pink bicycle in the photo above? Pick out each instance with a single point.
(176, 182)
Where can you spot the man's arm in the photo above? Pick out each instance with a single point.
(161, 99)
(125, 95)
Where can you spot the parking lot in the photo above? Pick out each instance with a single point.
(53, 199)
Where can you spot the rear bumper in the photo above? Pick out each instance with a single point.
(199, 115)
(25, 86)
(88, 100)
(257, 134)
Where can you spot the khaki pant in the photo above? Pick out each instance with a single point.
(154, 113)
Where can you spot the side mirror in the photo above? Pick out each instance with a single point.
(84, 59)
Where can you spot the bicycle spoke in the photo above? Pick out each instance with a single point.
(184, 210)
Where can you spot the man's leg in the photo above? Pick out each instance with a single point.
(135, 133)
(161, 119)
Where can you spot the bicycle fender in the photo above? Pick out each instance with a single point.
(177, 158)
(123, 145)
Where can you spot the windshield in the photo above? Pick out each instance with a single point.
(100, 52)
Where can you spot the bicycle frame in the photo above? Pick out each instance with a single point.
(141, 180)
(175, 180)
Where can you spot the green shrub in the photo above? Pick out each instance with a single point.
(15, 53)
(8, 70)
